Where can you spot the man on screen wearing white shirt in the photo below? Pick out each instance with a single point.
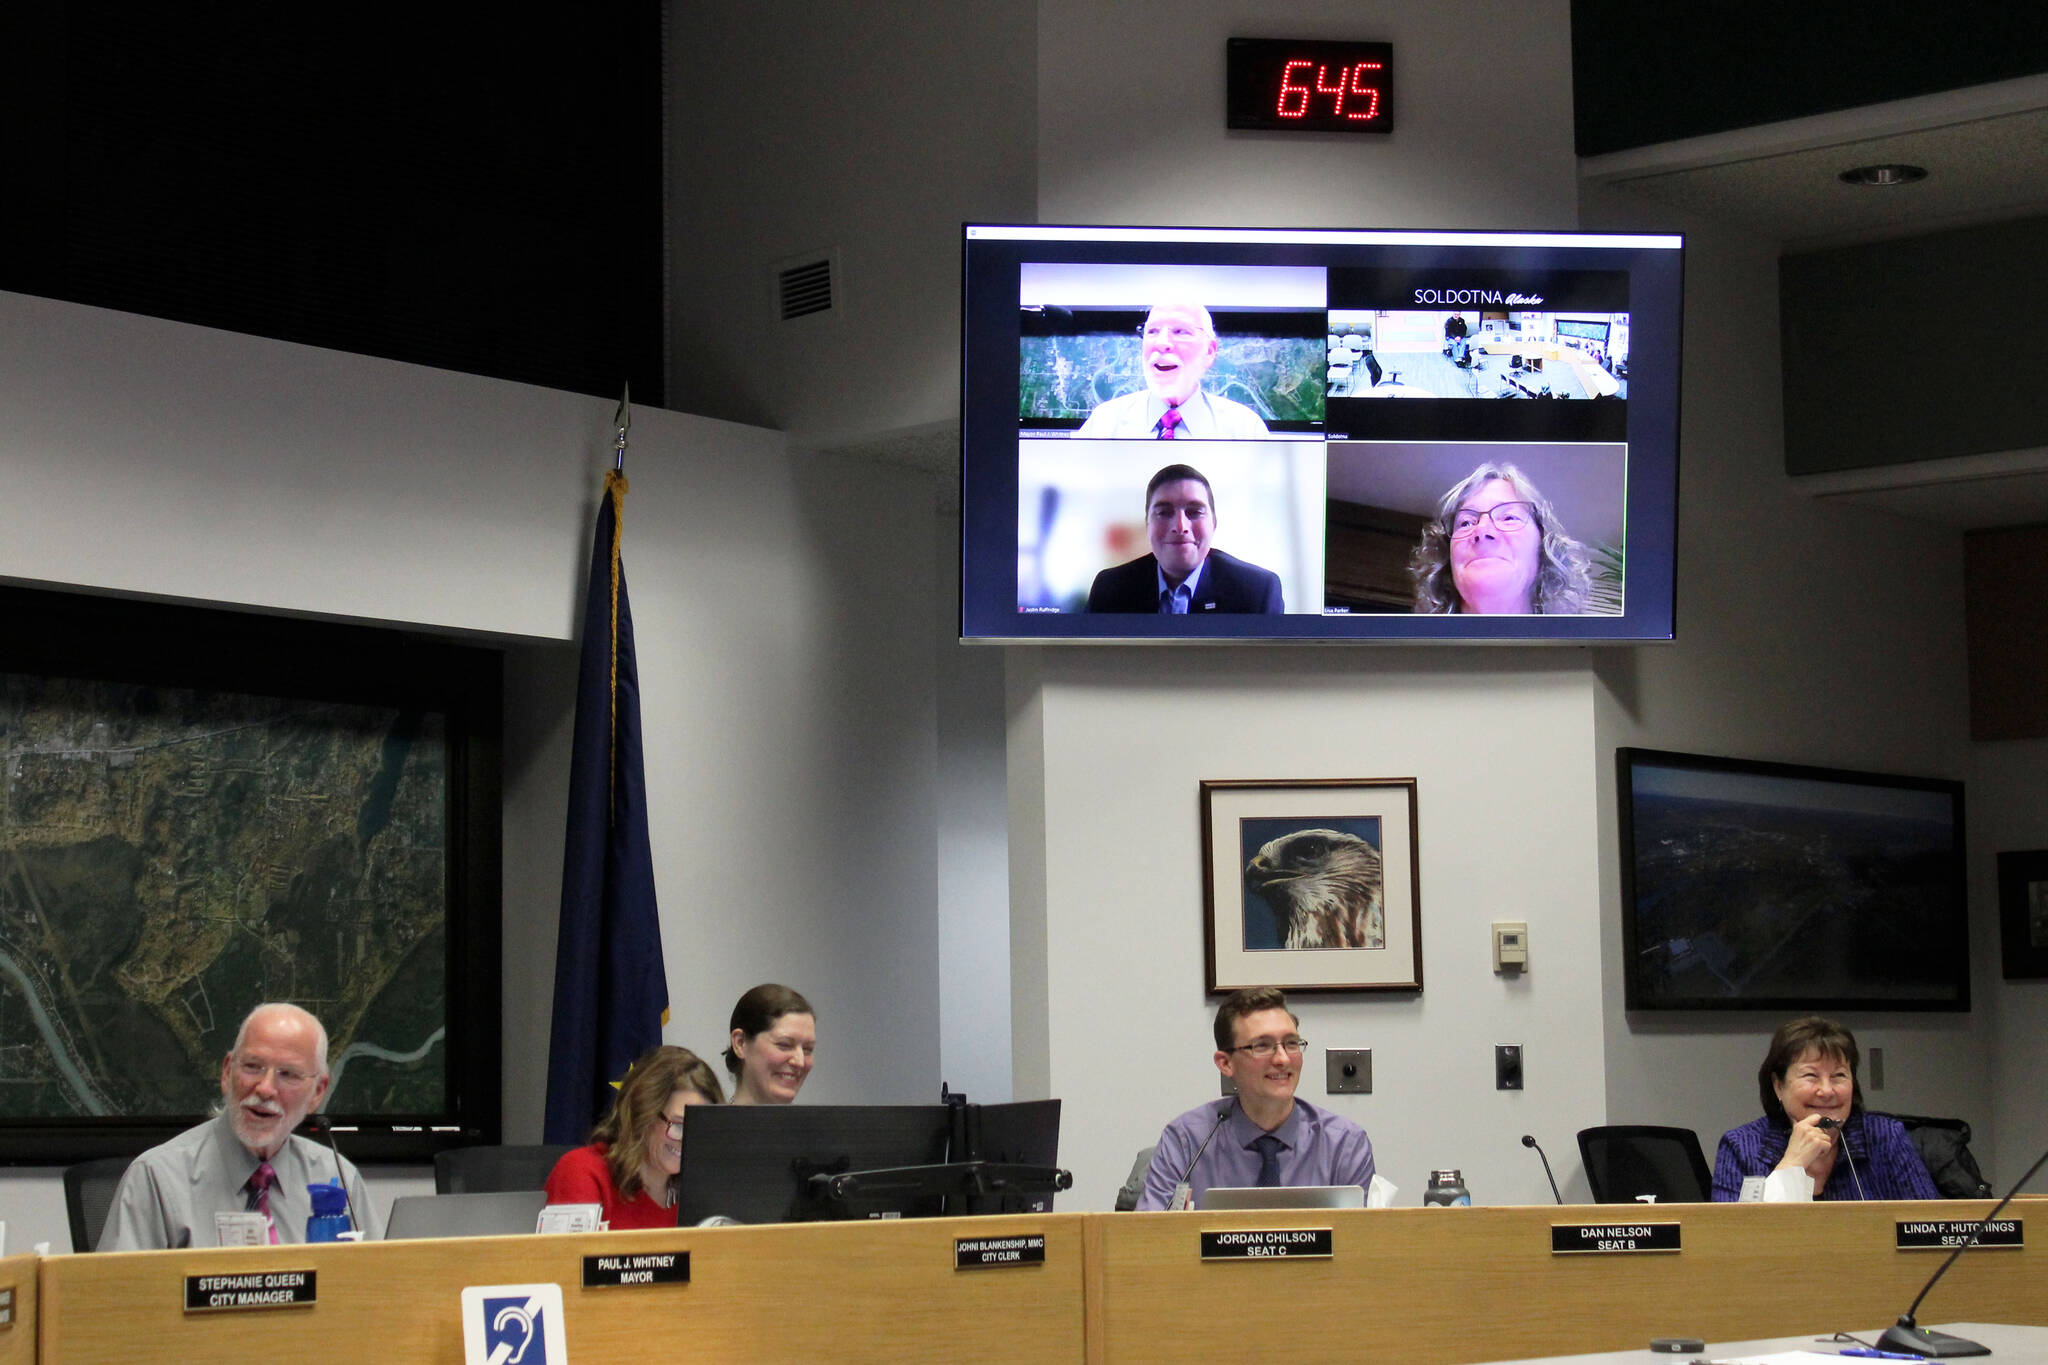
(1178, 346)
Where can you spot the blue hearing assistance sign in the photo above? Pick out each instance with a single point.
(513, 1324)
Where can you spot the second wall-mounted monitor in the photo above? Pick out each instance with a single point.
(1318, 435)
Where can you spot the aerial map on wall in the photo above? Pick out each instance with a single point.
(170, 858)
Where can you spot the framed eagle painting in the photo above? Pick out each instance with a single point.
(1311, 885)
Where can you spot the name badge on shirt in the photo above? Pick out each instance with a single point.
(241, 1228)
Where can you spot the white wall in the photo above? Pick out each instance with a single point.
(1806, 633)
(784, 606)
(160, 459)
(877, 128)
(1130, 118)
(1498, 743)
(2008, 815)
(1108, 746)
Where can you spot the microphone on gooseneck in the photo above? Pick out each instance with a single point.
(1908, 1335)
(321, 1124)
(1183, 1189)
(1833, 1126)
(1529, 1140)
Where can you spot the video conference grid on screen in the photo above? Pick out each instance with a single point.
(1532, 496)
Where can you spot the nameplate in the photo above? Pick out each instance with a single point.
(630, 1272)
(1948, 1234)
(1266, 1244)
(257, 1289)
(1610, 1239)
(971, 1253)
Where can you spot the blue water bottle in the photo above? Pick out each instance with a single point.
(330, 1212)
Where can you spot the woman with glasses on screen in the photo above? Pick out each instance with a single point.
(773, 1046)
(636, 1151)
(1497, 548)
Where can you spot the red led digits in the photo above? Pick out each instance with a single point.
(1371, 92)
(1287, 87)
(1294, 98)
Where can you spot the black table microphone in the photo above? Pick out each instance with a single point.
(1529, 1140)
(1908, 1336)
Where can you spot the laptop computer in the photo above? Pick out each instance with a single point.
(496, 1214)
(1221, 1197)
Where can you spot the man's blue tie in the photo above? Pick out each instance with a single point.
(1269, 1159)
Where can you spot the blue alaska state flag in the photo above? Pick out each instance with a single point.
(611, 991)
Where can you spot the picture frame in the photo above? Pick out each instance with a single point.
(2023, 914)
(245, 730)
(1726, 863)
(1311, 885)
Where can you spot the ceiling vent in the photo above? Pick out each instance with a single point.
(806, 285)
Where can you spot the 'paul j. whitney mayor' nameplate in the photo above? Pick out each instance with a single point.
(627, 1271)
(1944, 1234)
(1612, 1238)
(1266, 1244)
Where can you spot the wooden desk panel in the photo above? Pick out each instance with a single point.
(815, 1291)
(18, 1341)
(1478, 1284)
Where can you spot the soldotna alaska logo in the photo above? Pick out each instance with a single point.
(1470, 298)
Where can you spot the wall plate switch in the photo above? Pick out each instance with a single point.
(1510, 946)
(1507, 1066)
(1347, 1071)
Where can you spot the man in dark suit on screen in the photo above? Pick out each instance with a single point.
(1183, 576)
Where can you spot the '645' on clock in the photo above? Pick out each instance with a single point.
(1323, 87)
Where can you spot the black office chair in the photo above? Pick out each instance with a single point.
(1944, 1147)
(1629, 1159)
(490, 1170)
(1134, 1183)
(89, 1197)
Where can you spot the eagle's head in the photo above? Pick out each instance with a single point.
(1323, 886)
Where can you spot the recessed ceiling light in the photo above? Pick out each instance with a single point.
(1892, 174)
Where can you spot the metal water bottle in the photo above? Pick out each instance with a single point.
(1447, 1190)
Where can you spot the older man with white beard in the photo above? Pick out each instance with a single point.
(245, 1159)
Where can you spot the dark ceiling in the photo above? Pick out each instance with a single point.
(480, 189)
(474, 188)
(1645, 73)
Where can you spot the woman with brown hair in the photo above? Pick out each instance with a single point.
(636, 1151)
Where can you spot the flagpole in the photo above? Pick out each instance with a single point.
(622, 420)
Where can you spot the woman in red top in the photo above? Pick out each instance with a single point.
(635, 1153)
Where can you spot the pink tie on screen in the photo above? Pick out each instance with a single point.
(1168, 422)
(260, 1183)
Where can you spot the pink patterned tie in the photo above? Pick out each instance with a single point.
(260, 1184)
(1167, 423)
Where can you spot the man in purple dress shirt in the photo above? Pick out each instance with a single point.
(1263, 1135)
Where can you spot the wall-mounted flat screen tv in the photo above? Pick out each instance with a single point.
(1375, 435)
(1772, 886)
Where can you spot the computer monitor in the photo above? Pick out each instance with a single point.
(754, 1163)
(1026, 1133)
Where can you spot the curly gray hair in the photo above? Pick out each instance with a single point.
(1563, 571)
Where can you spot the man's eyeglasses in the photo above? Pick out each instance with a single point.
(288, 1077)
(1262, 1048)
(1507, 518)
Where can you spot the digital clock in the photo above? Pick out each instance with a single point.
(1311, 86)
